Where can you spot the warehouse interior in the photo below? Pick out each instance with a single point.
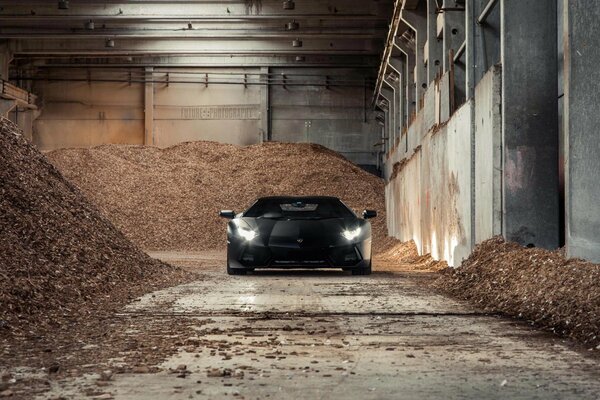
(470, 126)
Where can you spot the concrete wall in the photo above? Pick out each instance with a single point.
(488, 156)
(334, 116)
(449, 181)
(219, 112)
(101, 106)
(428, 196)
(82, 114)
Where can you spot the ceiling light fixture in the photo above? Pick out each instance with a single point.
(89, 25)
(297, 43)
(300, 58)
(110, 43)
(289, 5)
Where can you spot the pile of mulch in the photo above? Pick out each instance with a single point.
(403, 256)
(538, 285)
(61, 260)
(168, 199)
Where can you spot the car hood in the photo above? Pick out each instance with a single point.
(302, 233)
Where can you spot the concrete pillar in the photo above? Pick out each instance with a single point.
(582, 128)
(530, 122)
(24, 121)
(483, 42)
(397, 108)
(397, 64)
(386, 136)
(388, 92)
(453, 38)
(417, 20)
(5, 60)
(265, 106)
(149, 107)
(434, 44)
(409, 68)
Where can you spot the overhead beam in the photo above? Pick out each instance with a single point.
(199, 60)
(192, 46)
(189, 34)
(184, 9)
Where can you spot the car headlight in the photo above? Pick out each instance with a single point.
(351, 234)
(246, 233)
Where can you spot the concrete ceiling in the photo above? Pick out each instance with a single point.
(212, 32)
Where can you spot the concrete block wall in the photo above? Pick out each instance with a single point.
(428, 196)
(445, 193)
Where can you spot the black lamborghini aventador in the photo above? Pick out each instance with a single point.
(298, 232)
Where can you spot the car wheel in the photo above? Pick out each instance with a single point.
(233, 271)
(362, 271)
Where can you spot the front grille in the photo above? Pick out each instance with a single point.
(346, 256)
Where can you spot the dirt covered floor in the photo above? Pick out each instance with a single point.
(168, 199)
(538, 285)
(320, 334)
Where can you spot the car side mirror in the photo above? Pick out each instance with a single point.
(368, 214)
(229, 214)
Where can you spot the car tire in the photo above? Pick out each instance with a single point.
(233, 271)
(362, 271)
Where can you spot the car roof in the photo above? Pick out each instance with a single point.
(287, 198)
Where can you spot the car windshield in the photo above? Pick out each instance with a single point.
(299, 208)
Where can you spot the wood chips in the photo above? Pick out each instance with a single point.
(169, 199)
(534, 284)
(60, 259)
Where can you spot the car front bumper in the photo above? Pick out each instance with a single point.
(249, 256)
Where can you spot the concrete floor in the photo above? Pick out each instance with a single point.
(330, 335)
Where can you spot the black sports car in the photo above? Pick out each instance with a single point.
(298, 232)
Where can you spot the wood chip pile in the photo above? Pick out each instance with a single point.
(535, 284)
(404, 256)
(60, 258)
(168, 199)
